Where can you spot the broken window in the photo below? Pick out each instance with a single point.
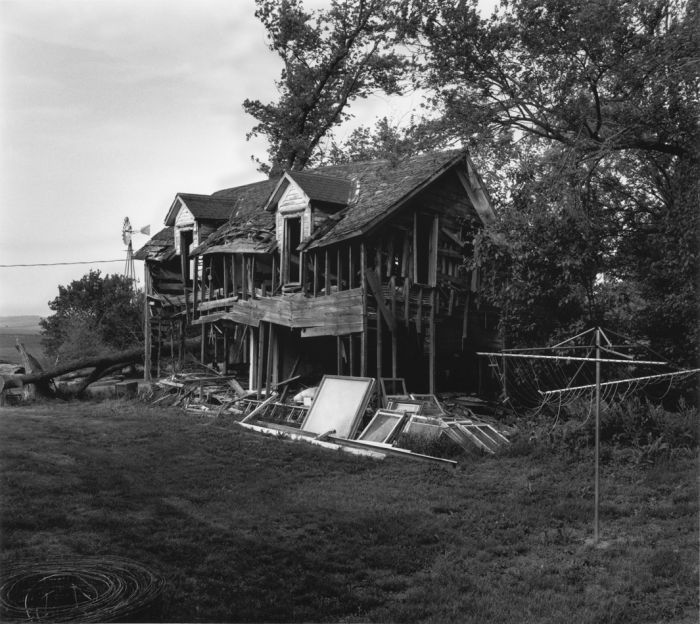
(292, 240)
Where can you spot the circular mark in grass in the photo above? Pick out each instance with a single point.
(104, 589)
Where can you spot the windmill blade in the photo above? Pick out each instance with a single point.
(145, 230)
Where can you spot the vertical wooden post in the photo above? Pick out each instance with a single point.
(328, 275)
(339, 354)
(303, 271)
(252, 351)
(261, 356)
(195, 287)
(224, 367)
(223, 266)
(365, 321)
(315, 287)
(273, 285)
(158, 351)
(378, 271)
(147, 324)
(351, 355)
(351, 267)
(419, 314)
(252, 277)
(406, 301)
(202, 344)
(234, 282)
(433, 345)
(268, 376)
(394, 345)
(339, 268)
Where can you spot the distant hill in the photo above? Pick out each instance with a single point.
(19, 325)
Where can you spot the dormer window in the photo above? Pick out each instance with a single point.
(301, 200)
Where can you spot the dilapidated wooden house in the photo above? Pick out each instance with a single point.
(353, 269)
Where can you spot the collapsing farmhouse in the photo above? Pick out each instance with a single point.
(355, 269)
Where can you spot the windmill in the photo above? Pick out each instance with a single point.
(127, 232)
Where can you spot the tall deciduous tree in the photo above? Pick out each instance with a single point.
(330, 57)
(92, 316)
(598, 103)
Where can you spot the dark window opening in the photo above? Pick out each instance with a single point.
(292, 235)
(186, 237)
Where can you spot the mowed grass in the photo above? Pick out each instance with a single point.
(250, 528)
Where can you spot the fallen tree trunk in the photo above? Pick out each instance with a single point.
(101, 365)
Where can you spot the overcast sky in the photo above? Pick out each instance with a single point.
(110, 107)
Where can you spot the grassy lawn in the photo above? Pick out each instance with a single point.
(248, 528)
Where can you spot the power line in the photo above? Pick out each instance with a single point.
(59, 263)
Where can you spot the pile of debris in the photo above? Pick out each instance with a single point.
(348, 413)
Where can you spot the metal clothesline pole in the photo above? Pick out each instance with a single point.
(596, 504)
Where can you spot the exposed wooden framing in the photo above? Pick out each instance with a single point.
(351, 268)
(431, 354)
(327, 284)
(376, 288)
(203, 344)
(252, 351)
(364, 337)
(315, 285)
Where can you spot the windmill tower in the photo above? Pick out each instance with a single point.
(127, 232)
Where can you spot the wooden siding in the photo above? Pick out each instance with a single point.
(332, 315)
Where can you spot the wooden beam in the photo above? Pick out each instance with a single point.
(339, 269)
(406, 301)
(261, 355)
(146, 326)
(327, 285)
(339, 355)
(202, 346)
(194, 285)
(315, 287)
(394, 345)
(433, 346)
(224, 368)
(273, 285)
(365, 323)
(270, 340)
(376, 288)
(351, 268)
(223, 263)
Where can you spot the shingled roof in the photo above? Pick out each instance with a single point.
(160, 247)
(370, 191)
(205, 207)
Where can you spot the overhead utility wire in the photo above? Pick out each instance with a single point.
(60, 263)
